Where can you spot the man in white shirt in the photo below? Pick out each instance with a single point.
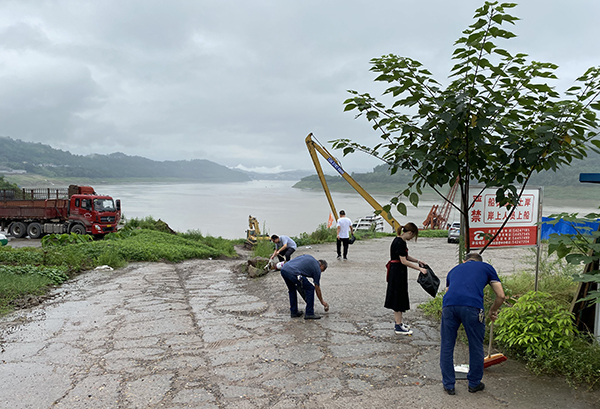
(344, 231)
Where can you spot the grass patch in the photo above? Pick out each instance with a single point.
(14, 286)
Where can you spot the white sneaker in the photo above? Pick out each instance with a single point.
(405, 326)
(399, 329)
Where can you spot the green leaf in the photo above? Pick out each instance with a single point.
(414, 199)
(401, 207)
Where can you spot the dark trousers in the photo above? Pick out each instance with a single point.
(469, 317)
(294, 284)
(339, 243)
(286, 255)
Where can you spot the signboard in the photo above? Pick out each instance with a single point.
(486, 217)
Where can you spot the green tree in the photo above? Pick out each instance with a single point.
(497, 123)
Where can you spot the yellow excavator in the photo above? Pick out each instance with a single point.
(253, 233)
(313, 149)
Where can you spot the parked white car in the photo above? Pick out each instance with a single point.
(454, 232)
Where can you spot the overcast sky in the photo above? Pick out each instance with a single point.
(237, 82)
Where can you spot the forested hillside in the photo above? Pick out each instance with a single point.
(44, 160)
(380, 180)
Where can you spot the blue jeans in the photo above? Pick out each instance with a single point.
(469, 317)
(294, 284)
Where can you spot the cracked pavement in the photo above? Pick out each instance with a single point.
(197, 334)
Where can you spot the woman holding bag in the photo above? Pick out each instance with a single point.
(396, 296)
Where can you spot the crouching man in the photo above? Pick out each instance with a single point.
(295, 273)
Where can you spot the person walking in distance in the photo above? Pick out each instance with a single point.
(463, 304)
(284, 247)
(396, 296)
(344, 230)
(295, 273)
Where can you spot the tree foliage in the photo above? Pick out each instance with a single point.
(497, 123)
(580, 249)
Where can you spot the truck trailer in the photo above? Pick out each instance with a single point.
(78, 209)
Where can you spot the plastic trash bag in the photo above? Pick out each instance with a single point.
(430, 282)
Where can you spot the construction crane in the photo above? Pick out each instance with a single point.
(438, 220)
(313, 148)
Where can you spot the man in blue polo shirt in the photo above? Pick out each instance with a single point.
(463, 304)
(295, 273)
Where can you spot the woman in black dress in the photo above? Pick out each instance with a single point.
(396, 296)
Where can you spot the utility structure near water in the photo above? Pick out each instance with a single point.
(313, 148)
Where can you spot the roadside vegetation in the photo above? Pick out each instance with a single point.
(28, 273)
(537, 328)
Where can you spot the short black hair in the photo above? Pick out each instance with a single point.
(323, 263)
(342, 212)
(274, 237)
(474, 257)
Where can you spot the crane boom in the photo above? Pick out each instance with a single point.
(313, 148)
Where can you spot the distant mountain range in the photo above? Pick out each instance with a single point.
(381, 181)
(17, 156)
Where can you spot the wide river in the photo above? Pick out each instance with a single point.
(223, 209)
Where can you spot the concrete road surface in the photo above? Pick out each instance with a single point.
(198, 335)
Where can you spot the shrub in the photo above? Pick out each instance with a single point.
(263, 248)
(535, 325)
(433, 307)
(323, 234)
(65, 239)
(148, 223)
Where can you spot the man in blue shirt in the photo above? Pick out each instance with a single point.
(463, 304)
(284, 247)
(295, 273)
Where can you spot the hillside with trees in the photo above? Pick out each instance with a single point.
(40, 159)
(381, 181)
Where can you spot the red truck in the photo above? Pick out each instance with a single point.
(78, 209)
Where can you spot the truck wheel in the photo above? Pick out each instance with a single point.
(34, 231)
(78, 229)
(18, 230)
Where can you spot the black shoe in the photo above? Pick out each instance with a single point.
(312, 317)
(450, 391)
(478, 388)
(296, 314)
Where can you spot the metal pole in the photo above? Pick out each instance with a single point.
(539, 238)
